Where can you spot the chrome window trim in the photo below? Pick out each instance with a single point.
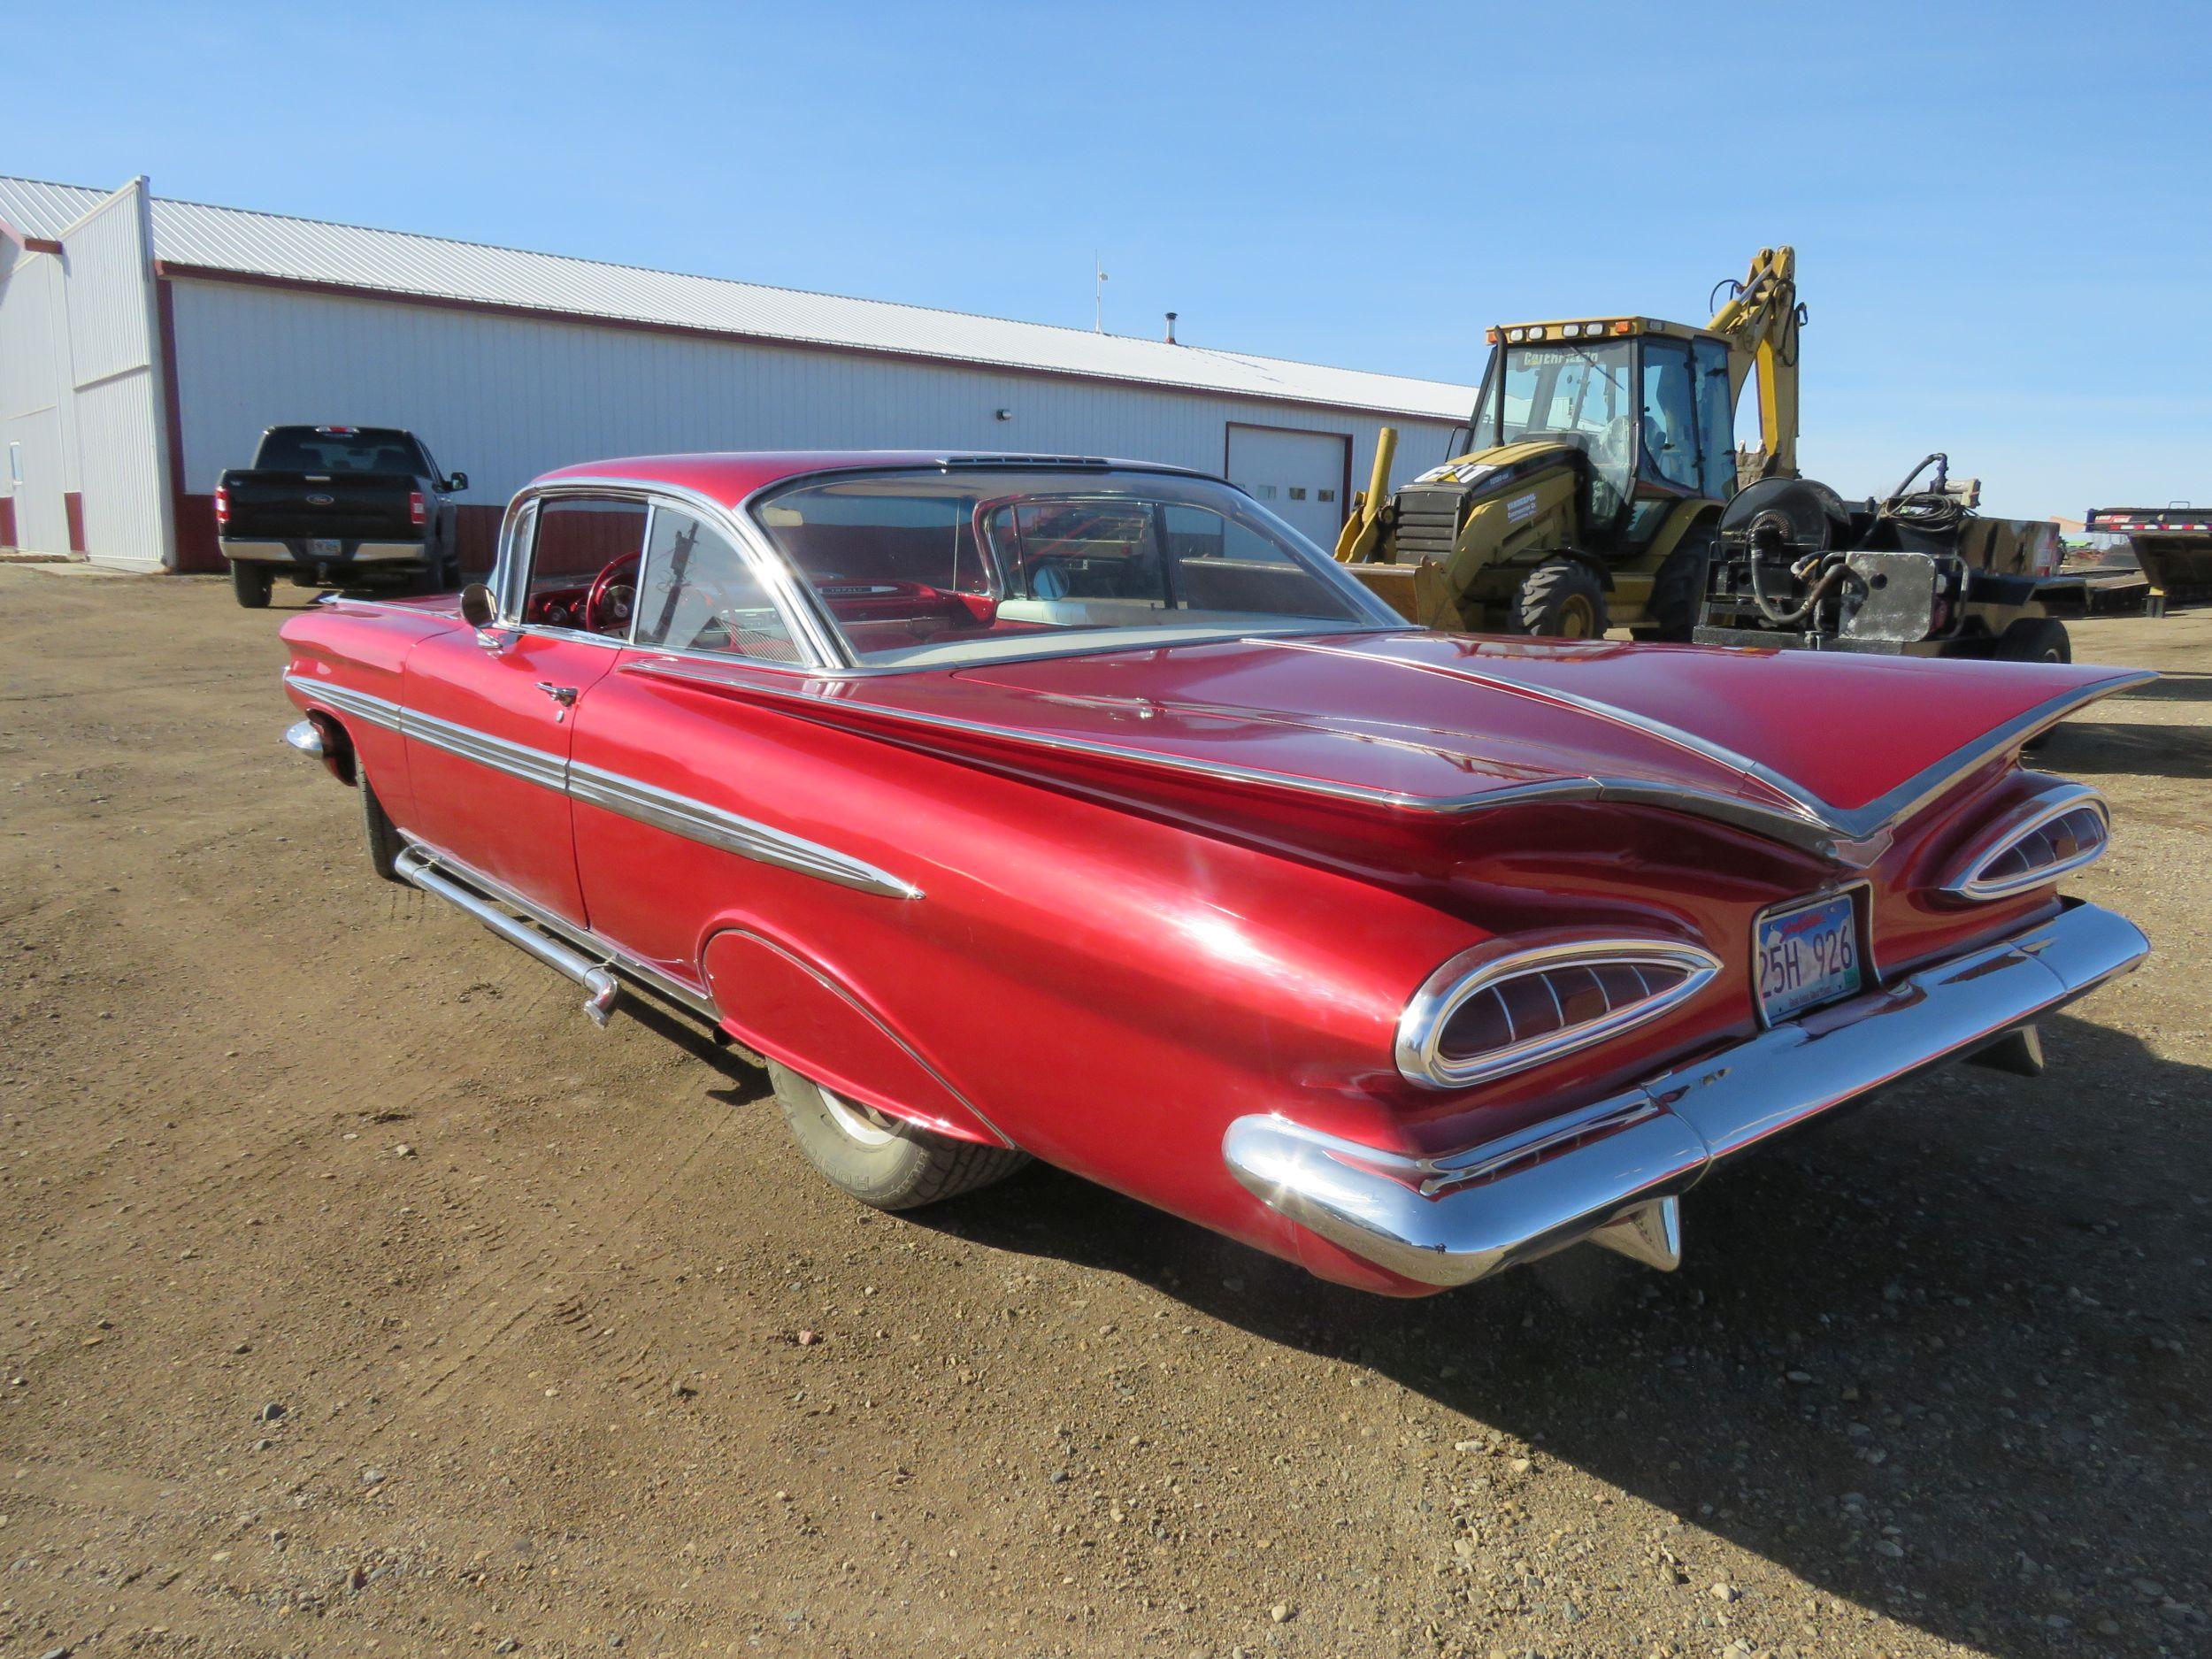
(752, 558)
(1482, 967)
(646, 804)
(812, 633)
(1963, 878)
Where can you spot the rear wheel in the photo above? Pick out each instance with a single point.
(880, 1160)
(1562, 599)
(251, 583)
(1677, 592)
(2035, 640)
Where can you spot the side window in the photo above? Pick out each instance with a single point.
(1717, 418)
(1217, 565)
(1671, 434)
(700, 594)
(577, 537)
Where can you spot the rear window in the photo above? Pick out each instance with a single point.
(971, 563)
(341, 450)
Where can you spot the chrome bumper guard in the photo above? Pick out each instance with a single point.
(1613, 1173)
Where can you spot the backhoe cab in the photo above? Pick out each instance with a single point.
(1601, 452)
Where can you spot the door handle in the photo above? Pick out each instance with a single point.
(565, 695)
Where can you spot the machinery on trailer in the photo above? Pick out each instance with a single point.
(1605, 489)
(1918, 573)
(1602, 452)
(2172, 543)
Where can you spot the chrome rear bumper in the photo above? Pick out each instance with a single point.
(1613, 1172)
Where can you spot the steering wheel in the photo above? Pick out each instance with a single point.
(613, 596)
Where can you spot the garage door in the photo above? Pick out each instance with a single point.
(1298, 475)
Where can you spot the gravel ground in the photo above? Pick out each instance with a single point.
(359, 1296)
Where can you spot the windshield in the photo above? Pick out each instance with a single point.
(1579, 394)
(970, 563)
(326, 449)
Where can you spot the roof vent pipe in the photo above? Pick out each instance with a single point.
(1171, 328)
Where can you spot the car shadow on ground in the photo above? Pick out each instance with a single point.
(1948, 1315)
(2173, 684)
(2099, 748)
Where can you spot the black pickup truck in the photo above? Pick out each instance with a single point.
(338, 506)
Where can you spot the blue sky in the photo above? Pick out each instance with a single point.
(2003, 214)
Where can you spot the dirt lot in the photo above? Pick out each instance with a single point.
(359, 1296)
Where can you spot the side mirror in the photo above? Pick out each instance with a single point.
(459, 481)
(478, 609)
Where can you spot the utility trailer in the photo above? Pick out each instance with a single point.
(2172, 543)
(1917, 573)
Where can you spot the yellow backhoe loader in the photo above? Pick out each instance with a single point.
(1601, 451)
(1604, 488)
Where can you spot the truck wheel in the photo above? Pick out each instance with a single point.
(2035, 640)
(384, 844)
(251, 583)
(1677, 592)
(880, 1161)
(1562, 599)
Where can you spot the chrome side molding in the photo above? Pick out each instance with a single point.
(696, 821)
(596, 978)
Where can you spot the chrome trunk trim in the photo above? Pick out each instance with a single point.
(1453, 1218)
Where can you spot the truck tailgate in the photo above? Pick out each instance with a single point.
(354, 506)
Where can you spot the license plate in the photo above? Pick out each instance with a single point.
(322, 548)
(1807, 954)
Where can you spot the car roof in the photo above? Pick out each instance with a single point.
(730, 477)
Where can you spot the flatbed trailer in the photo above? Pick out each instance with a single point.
(2173, 544)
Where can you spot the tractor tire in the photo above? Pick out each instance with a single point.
(251, 583)
(2035, 640)
(1562, 599)
(884, 1163)
(1677, 592)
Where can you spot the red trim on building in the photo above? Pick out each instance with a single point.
(476, 536)
(192, 517)
(199, 546)
(72, 510)
(29, 244)
(540, 313)
(7, 523)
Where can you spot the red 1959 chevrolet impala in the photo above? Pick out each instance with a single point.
(1020, 806)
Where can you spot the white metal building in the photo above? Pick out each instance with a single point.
(145, 343)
